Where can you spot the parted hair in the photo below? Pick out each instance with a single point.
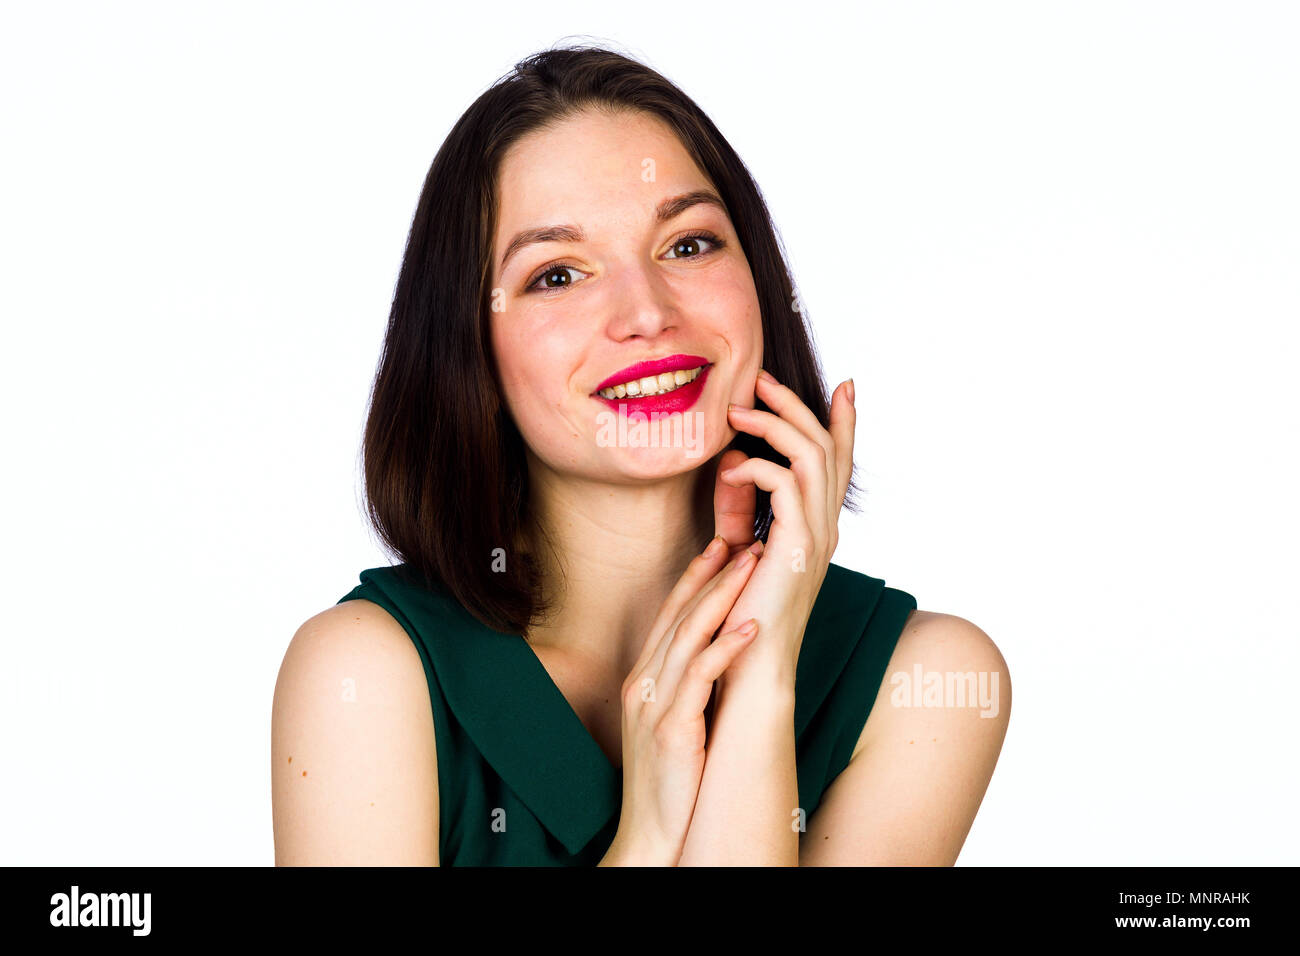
(446, 480)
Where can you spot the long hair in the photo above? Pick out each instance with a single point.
(446, 479)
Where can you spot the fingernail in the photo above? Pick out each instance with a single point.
(725, 473)
(765, 375)
(849, 390)
(714, 546)
(756, 548)
(749, 628)
(745, 560)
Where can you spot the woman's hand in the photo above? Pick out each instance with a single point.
(806, 502)
(664, 699)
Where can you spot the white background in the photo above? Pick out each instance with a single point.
(1055, 244)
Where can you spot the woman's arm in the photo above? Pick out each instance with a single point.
(915, 782)
(745, 812)
(354, 768)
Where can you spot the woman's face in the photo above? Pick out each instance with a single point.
(619, 285)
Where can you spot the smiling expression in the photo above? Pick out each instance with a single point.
(613, 249)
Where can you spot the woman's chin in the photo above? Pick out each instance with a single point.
(680, 440)
(661, 462)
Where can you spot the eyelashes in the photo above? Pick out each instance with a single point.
(560, 265)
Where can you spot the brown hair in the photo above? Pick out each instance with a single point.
(446, 479)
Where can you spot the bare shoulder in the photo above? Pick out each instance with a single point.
(926, 756)
(353, 630)
(956, 664)
(354, 773)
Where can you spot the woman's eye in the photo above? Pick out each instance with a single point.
(692, 246)
(688, 247)
(552, 272)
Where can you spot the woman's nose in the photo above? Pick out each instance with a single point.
(640, 303)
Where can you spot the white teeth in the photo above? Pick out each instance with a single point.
(653, 384)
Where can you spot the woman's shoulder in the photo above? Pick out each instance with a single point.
(352, 729)
(868, 638)
(355, 634)
(944, 672)
(352, 653)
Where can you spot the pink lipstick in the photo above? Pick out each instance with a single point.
(677, 399)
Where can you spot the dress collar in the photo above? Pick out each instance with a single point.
(837, 623)
(525, 728)
(516, 717)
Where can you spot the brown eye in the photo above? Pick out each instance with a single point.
(552, 278)
(560, 274)
(688, 247)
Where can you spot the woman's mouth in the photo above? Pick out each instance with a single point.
(653, 385)
(664, 393)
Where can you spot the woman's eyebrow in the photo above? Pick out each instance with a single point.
(669, 208)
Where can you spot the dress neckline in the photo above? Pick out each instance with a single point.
(512, 711)
(551, 689)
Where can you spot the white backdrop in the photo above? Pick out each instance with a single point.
(1055, 244)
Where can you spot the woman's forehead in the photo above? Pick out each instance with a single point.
(596, 175)
(592, 160)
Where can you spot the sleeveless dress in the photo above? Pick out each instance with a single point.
(521, 780)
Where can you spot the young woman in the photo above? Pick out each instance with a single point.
(594, 365)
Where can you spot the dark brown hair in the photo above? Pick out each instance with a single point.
(446, 479)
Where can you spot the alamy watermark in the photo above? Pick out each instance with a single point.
(923, 688)
(636, 429)
(102, 909)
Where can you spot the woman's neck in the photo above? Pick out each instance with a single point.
(611, 554)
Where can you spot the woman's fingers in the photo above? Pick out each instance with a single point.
(786, 403)
(701, 621)
(787, 504)
(734, 507)
(703, 567)
(733, 577)
(697, 682)
(844, 420)
(789, 406)
(810, 460)
(701, 577)
(836, 442)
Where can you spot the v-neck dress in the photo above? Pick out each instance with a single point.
(521, 780)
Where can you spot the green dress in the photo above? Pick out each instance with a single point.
(521, 780)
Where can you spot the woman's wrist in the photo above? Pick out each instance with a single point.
(626, 851)
(767, 671)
